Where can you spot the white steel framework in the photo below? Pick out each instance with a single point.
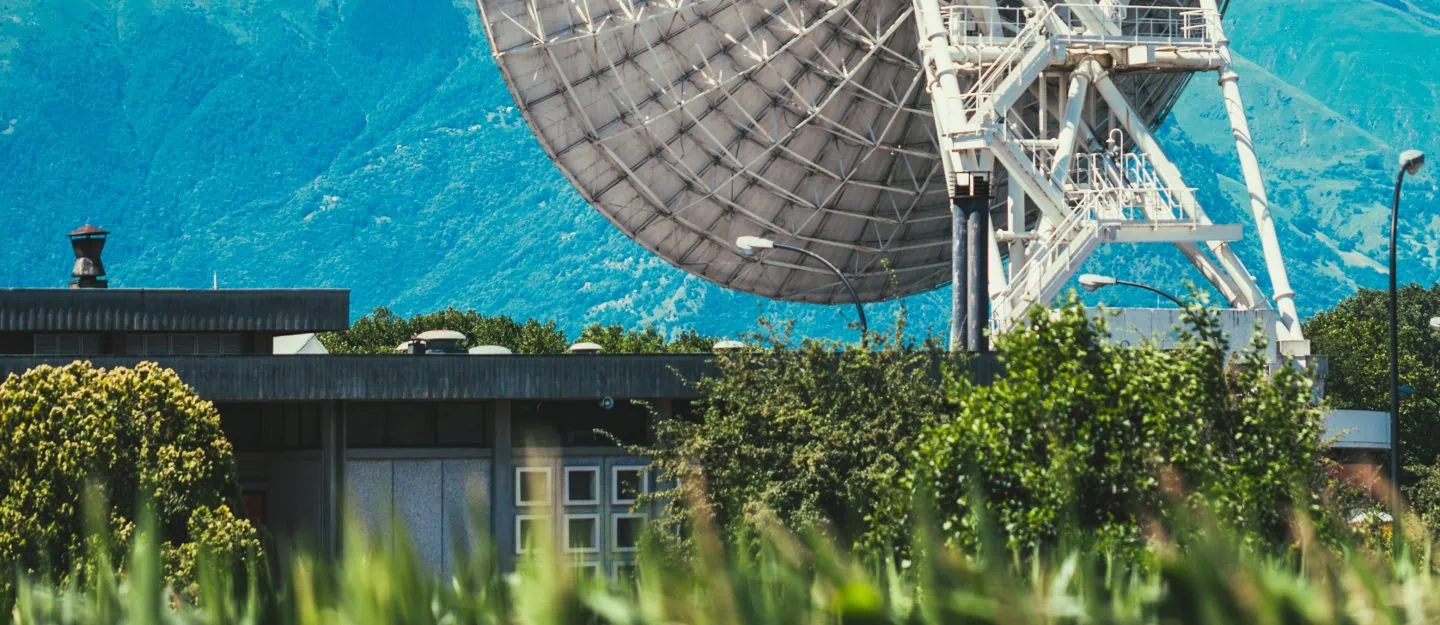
(857, 128)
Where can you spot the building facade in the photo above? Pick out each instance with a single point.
(426, 440)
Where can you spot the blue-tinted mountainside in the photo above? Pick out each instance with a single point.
(371, 144)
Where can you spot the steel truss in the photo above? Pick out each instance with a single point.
(1037, 101)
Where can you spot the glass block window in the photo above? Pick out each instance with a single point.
(626, 530)
(582, 485)
(532, 486)
(582, 533)
(627, 483)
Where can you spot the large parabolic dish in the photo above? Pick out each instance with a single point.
(688, 123)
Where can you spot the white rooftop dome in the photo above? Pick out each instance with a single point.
(727, 344)
(585, 347)
(440, 335)
(490, 350)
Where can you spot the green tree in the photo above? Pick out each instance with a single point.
(140, 434)
(648, 340)
(805, 432)
(382, 330)
(1355, 336)
(1075, 440)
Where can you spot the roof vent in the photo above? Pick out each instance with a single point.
(489, 350)
(433, 342)
(586, 347)
(87, 241)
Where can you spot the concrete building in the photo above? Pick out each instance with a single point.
(422, 437)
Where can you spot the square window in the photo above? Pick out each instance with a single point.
(582, 533)
(587, 571)
(625, 531)
(527, 531)
(582, 485)
(532, 486)
(627, 484)
(626, 571)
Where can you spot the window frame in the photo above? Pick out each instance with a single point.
(595, 487)
(594, 533)
(644, 472)
(615, 519)
(549, 495)
(520, 520)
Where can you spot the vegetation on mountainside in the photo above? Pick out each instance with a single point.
(138, 434)
(382, 330)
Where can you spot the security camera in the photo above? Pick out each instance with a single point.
(608, 403)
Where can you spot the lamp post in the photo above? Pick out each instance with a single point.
(1410, 162)
(749, 244)
(1094, 282)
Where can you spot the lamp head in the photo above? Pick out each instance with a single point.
(1094, 282)
(1411, 161)
(1435, 324)
(749, 244)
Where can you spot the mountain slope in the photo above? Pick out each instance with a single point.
(370, 144)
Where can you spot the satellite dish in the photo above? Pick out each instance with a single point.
(815, 123)
(689, 124)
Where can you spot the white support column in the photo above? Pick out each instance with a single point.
(1070, 124)
(1015, 223)
(995, 270)
(1288, 319)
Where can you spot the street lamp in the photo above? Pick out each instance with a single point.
(1094, 282)
(749, 244)
(1410, 162)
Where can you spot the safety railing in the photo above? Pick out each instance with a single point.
(1127, 190)
(1181, 27)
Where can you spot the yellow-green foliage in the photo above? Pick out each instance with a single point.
(139, 433)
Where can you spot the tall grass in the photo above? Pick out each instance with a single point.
(790, 580)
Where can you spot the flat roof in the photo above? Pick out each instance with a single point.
(448, 377)
(288, 311)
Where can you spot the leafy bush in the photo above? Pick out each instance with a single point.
(803, 432)
(1355, 336)
(382, 330)
(140, 434)
(1074, 440)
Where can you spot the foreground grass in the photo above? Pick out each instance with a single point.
(790, 581)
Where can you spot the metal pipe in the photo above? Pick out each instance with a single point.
(977, 259)
(859, 308)
(959, 283)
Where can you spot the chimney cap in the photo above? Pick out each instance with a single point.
(86, 230)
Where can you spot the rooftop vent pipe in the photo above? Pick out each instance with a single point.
(87, 241)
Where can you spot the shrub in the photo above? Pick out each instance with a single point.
(1074, 440)
(807, 433)
(138, 434)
